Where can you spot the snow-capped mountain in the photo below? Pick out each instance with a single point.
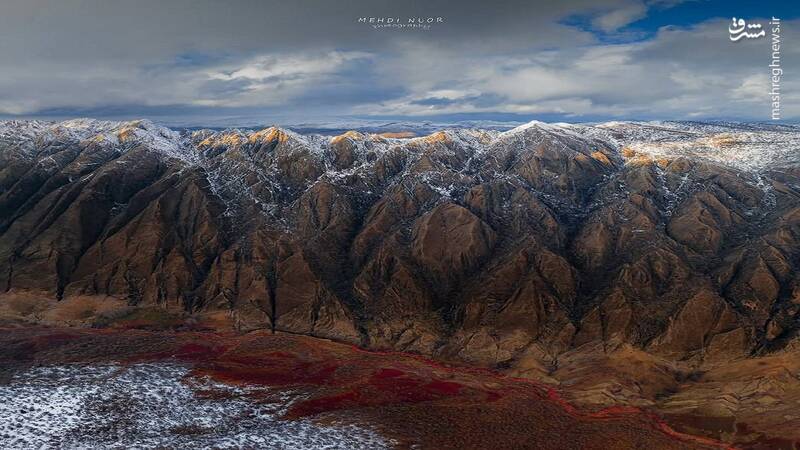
(470, 243)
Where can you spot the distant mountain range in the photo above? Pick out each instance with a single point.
(336, 127)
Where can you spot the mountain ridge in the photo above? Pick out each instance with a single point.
(475, 244)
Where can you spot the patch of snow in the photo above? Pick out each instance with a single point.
(155, 406)
(746, 147)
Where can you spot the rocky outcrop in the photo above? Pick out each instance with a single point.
(450, 242)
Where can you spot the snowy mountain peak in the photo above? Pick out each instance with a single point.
(743, 146)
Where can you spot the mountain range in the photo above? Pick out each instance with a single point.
(679, 238)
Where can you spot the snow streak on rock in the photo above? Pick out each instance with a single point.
(262, 171)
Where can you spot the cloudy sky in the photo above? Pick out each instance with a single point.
(206, 62)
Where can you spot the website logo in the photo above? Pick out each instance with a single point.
(740, 29)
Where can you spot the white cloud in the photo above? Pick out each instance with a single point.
(620, 16)
(273, 79)
(269, 67)
(753, 88)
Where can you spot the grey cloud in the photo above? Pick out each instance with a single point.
(313, 57)
(70, 53)
(690, 72)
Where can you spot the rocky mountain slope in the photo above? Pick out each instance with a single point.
(681, 239)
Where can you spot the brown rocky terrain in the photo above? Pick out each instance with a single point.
(590, 257)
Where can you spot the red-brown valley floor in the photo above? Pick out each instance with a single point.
(412, 401)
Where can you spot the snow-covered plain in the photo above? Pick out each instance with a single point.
(155, 405)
